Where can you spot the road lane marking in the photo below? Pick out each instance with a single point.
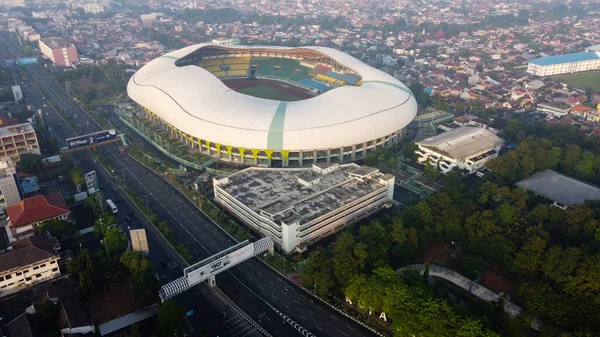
(310, 311)
(259, 273)
(250, 277)
(333, 317)
(285, 305)
(302, 317)
(272, 283)
(343, 333)
(273, 296)
(296, 302)
(316, 326)
(261, 287)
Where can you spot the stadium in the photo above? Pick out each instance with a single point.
(273, 106)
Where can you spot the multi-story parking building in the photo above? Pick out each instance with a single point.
(297, 207)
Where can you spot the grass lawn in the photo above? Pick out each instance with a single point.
(583, 81)
(263, 91)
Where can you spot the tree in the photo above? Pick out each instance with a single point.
(135, 262)
(530, 258)
(30, 162)
(104, 220)
(348, 258)
(77, 176)
(144, 287)
(408, 149)
(171, 319)
(47, 311)
(83, 268)
(318, 272)
(57, 228)
(115, 241)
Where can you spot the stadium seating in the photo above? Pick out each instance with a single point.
(237, 60)
(314, 84)
(325, 79)
(206, 63)
(220, 73)
(213, 68)
(347, 78)
(237, 72)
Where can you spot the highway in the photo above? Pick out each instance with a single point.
(253, 286)
(207, 308)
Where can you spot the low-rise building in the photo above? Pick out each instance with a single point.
(59, 51)
(465, 148)
(557, 109)
(564, 64)
(30, 212)
(562, 190)
(18, 139)
(297, 207)
(31, 260)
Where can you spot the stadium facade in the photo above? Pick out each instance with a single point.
(351, 108)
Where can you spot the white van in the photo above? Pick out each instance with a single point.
(113, 207)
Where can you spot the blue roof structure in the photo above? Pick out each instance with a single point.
(314, 84)
(29, 186)
(567, 58)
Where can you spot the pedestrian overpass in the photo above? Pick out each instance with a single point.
(206, 269)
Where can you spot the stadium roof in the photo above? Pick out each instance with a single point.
(196, 102)
(463, 142)
(567, 58)
(559, 187)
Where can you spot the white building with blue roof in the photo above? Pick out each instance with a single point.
(564, 64)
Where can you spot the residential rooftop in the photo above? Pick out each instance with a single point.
(278, 192)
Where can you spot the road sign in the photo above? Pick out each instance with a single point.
(91, 138)
(139, 242)
(91, 181)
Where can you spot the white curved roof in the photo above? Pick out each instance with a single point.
(194, 101)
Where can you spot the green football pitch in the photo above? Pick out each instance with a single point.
(264, 91)
(583, 81)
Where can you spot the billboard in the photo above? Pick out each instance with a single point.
(17, 93)
(27, 60)
(203, 269)
(91, 139)
(80, 196)
(139, 242)
(92, 182)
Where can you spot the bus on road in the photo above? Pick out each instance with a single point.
(111, 204)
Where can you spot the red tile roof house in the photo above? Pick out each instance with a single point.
(30, 212)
